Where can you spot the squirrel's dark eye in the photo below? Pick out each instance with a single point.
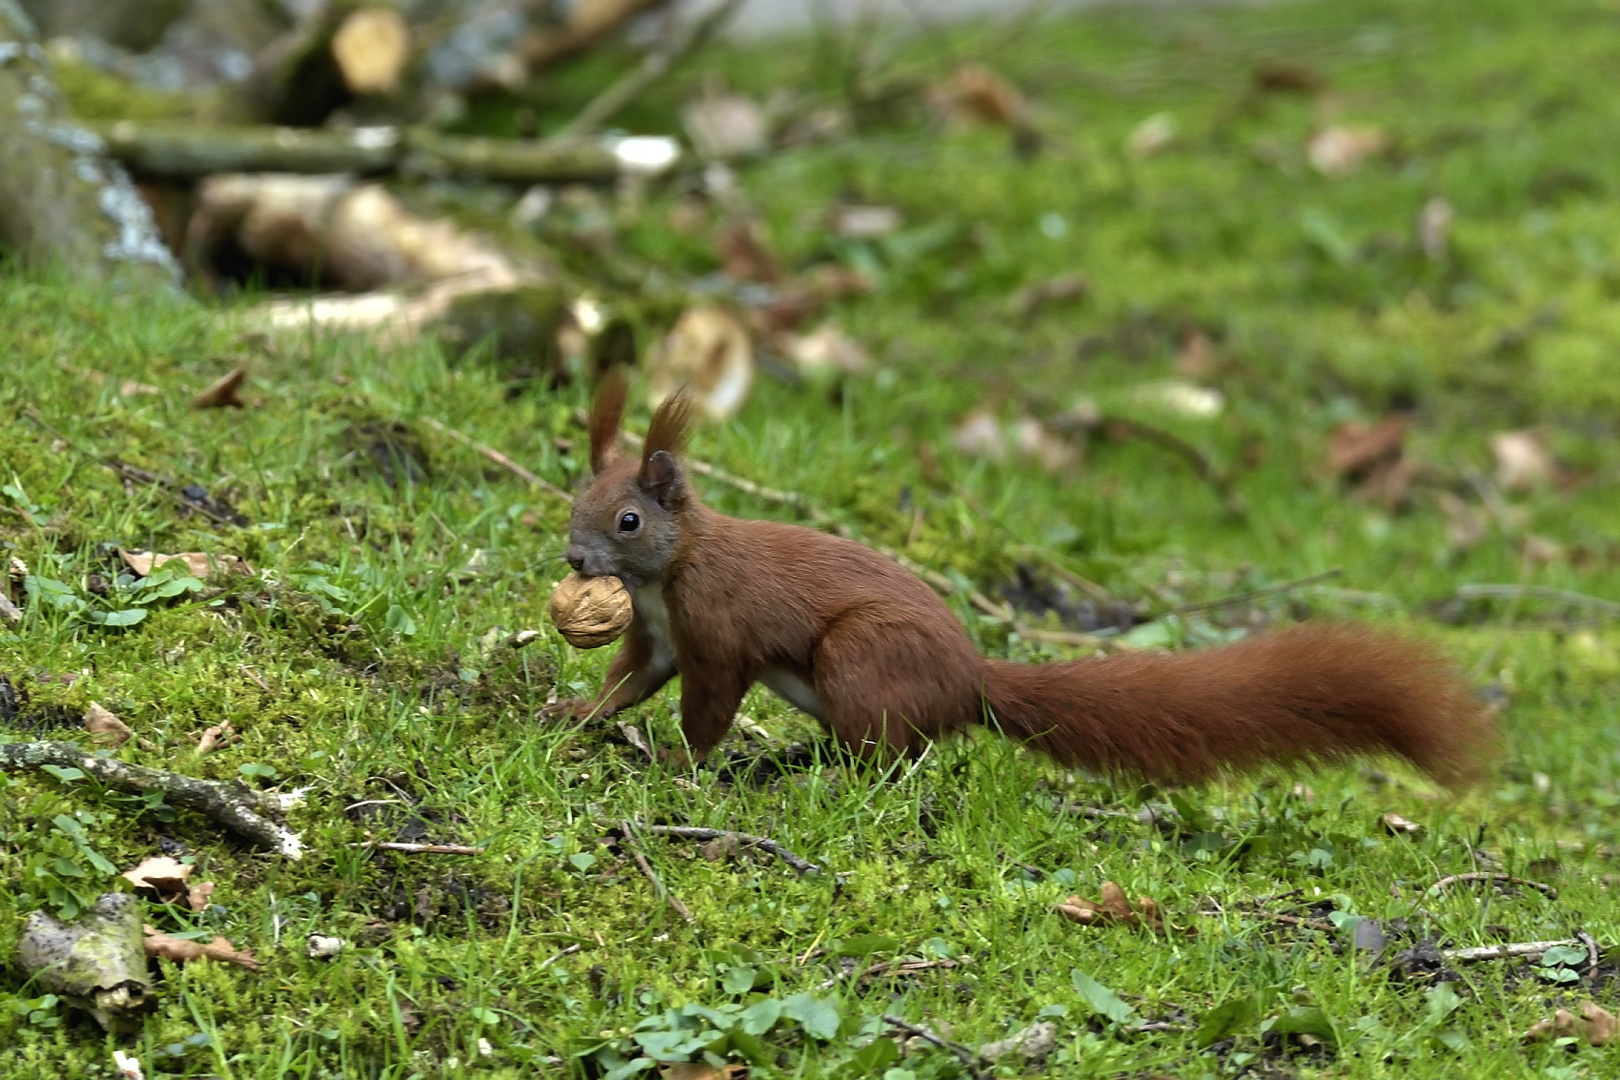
(629, 522)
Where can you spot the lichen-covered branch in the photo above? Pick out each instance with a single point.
(236, 808)
(62, 201)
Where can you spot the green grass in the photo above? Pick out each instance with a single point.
(359, 662)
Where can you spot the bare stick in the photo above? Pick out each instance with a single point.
(554, 957)
(969, 1060)
(236, 808)
(1537, 592)
(652, 875)
(419, 849)
(764, 843)
(500, 459)
(1505, 952)
(1290, 920)
(653, 67)
(893, 969)
(1593, 953)
(1256, 594)
(1481, 875)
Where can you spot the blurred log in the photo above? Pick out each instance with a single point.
(188, 150)
(61, 201)
(371, 49)
(589, 23)
(296, 79)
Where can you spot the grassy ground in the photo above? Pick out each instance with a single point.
(362, 661)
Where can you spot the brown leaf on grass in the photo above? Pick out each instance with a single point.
(161, 874)
(979, 435)
(1596, 1025)
(1035, 441)
(702, 1070)
(1029, 301)
(743, 254)
(1371, 457)
(180, 951)
(1197, 359)
(223, 393)
(1113, 909)
(200, 895)
(1523, 462)
(104, 727)
(1396, 825)
(827, 348)
(219, 735)
(1338, 150)
(710, 353)
(200, 564)
(1283, 76)
(976, 93)
(725, 125)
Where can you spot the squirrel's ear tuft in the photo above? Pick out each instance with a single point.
(607, 413)
(669, 426)
(663, 479)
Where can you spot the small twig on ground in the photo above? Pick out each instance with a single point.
(1256, 594)
(554, 957)
(236, 808)
(500, 459)
(1504, 952)
(1291, 920)
(765, 843)
(1593, 953)
(418, 849)
(969, 1060)
(1537, 592)
(1440, 886)
(893, 968)
(652, 875)
(653, 67)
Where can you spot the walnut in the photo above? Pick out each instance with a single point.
(590, 612)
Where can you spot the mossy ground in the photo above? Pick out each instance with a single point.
(360, 662)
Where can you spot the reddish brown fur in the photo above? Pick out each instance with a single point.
(607, 414)
(726, 603)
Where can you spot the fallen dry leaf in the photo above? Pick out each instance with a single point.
(1035, 441)
(1396, 825)
(1596, 1025)
(979, 435)
(165, 947)
(162, 874)
(1335, 151)
(224, 392)
(977, 93)
(215, 737)
(1541, 549)
(710, 353)
(1113, 909)
(725, 125)
(200, 895)
(200, 564)
(1281, 76)
(1151, 135)
(1523, 462)
(743, 254)
(865, 222)
(1358, 449)
(701, 1070)
(827, 348)
(1197, 359)
(104, 727)
(131, 388)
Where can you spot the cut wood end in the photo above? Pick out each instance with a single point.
(371, 49)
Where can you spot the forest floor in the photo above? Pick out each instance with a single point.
(1452, 275)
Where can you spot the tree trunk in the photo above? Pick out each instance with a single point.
(61, 200)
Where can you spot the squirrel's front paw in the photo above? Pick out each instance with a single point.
(567, 709)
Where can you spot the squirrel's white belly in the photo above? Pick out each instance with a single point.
(649, 604)
(794, 689)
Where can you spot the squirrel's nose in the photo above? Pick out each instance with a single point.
(576, 559)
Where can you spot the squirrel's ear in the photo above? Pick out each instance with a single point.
(662, 478)
(607, 413)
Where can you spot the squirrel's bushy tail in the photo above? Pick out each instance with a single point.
(1308, 693)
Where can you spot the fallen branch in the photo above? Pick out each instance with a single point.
(653, 67)
(234, 807)
(764, 843)
(418, 849)
(1118, 427)
(588, 24)
(1537, 592)
(188, 151)
(1440, 886)
(1256, 594)
(1505, 952)
(1290, 920)
(652, 875)
(501, 459)
(969, 1060)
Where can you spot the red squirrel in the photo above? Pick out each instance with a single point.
(863, 645)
